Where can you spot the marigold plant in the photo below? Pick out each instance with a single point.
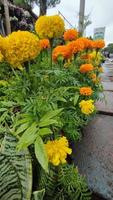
(93, 76)
(87, 106)
(50, 26)
(86, 91)
(21, 46)
(85, 68)
(57, 150)
(70, 34)
(62, 50)
(44, 43)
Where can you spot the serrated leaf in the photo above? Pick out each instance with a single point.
(44, 131)
(41, 153)
(76, 97)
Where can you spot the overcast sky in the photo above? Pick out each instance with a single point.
(101, 14)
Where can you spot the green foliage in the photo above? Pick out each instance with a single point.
(65, 183)
(15, 171)
(30, 129)
(38, 195)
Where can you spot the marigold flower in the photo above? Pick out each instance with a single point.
(50, 26)
(86, 68)
(76, 46)
(1, 57)
(87, 42)
(62, 50)
(98, 44)
(21, 46)
(57, 151)
(70, 34)
(44, 43)
(87, 107)
(86, 91)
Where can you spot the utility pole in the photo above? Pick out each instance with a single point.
(81, 16)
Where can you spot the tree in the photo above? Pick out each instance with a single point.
(7, 19)
(43, 4)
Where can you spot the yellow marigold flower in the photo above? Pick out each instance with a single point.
(70, 34)
(76, 46)
(1, 57)
(86, 68)
(50, 26)
(86, 91)
(21, 46)
(98, 44)
(62, 50)
(44, 43)
(87, 107)
(57, 150)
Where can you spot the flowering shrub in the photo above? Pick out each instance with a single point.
(44, 106)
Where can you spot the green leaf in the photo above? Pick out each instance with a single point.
(3, 109)
(15, 171)
(51, 114)
(8, 103)
(41, 154)
(22, 128)
(61, 99)
(76, 97)
(28, 137)
(44, 131)
(39, 195)
(47, 122)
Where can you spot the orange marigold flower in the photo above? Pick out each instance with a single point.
(44, 43)
(76, 46)
(70, 35)
(87, 42)
(87, 57)
(86, 91)
(86, 68)
(98, 44)
(62, 50)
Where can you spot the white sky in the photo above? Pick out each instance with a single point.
(101, 14)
